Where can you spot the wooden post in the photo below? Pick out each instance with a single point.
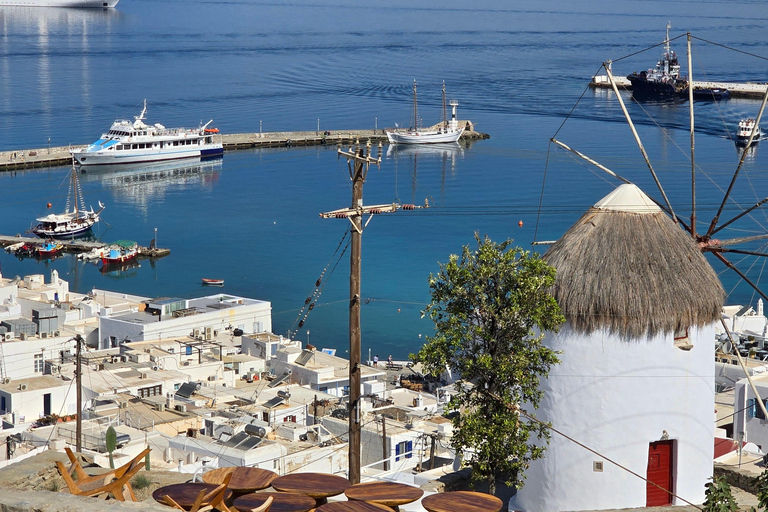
(355, 266)
(384, 452)
(432, 453)
(79, 394)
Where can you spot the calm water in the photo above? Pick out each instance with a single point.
(252, 219)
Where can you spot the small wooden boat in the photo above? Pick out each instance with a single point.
(213, 282)
(49, 249)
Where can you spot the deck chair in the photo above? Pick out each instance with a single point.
(213, 499)
(115, 482)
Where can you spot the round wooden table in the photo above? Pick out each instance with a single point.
(281, 501)
(461, 501)
(243, 479)
(352, 506)
(185, 494)
(315, 485)
(390, 494)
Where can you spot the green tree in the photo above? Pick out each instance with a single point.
(490, 306)
(719, 497)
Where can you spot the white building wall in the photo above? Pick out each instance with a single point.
(616, 397)
(19, 355)
(753, 429)
(245, 315)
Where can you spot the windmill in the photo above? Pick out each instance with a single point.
(706, 238)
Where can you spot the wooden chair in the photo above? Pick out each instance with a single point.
(264, 507)
(213, 499)
(115, 482)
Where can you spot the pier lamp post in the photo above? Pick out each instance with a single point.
(375, 124)
(307, 337)
(49, 145)
(318, 127)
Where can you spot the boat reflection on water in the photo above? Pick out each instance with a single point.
(143, 183)
(427, 154)
(120, 270)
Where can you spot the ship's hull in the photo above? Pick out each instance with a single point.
(88, 158)
(103, 4)
(642, 87)
(432, 137)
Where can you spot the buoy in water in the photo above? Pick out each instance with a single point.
(520, 223)
(398, 310)
(49, 205)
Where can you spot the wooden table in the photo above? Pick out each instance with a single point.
(461, 501)
(352, 506)
(390, 494)
(315, 485)
(243, 479)
(185, 494)
(281, 501)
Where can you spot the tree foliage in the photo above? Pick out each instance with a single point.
(490, 306)
(719, 497)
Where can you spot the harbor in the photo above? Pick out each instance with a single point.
(60, 155)
(78, 246)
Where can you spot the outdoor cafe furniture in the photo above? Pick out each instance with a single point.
(390, 494)
(315, 485)
(115, 482)
(352, 506)
(281, 502)
(194, 496)
(243, 479)
(461, 501)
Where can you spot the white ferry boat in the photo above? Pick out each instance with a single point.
(136, 142)
(104, 4)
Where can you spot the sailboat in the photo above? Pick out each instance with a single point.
(70, 224)
(448, 131)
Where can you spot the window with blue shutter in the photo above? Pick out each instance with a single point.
(751, 407)
(409, 449)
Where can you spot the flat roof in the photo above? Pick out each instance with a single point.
(34, 383)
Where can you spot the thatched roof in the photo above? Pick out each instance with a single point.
(626, 266)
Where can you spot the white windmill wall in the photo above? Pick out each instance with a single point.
(617, 396)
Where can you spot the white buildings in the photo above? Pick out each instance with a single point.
(202, 318)
(635, 382)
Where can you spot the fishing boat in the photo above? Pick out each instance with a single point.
(49, 248)
(447, 131)
(664, 80)
(72, 223)
(120, 252)
(104, 4)
(746, 127)
(136, 142)
(213, 282)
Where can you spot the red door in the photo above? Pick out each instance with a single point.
(659, 473)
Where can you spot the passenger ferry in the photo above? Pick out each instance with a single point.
(136, 142)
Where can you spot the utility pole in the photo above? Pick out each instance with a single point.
(384, 452)
(358, 162)
(79, 394)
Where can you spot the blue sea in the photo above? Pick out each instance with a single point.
(518, 69)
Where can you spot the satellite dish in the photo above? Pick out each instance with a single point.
(726, 347)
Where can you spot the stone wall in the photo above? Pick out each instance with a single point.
(46, 501)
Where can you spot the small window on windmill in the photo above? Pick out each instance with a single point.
(682, 340)
(597, 466)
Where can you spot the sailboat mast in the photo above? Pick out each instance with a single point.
(445, 121)
(693, 157)
(415, 108)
